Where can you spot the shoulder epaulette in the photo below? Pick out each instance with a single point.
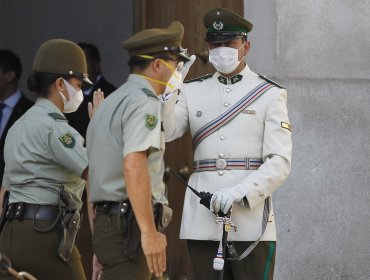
(149, 93)
(271, 81)
(199, 79)
(57, 116)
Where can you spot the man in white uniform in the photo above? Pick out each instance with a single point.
(242, 151)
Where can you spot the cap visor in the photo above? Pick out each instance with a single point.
(220, 39)
(87, 80)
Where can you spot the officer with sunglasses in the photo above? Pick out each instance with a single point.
(128, 130)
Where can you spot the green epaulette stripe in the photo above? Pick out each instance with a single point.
(149, 93)
(199, 79)
(57, 116)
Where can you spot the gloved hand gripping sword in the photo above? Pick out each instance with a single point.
(224, 221)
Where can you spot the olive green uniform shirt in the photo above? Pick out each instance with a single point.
(127, 121)
(42, 152)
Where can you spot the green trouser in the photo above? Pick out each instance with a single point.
(108, 247)
(259, 265)
(37, 253)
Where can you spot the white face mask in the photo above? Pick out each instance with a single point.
(224, 59)
(75, 98)
(174, 83)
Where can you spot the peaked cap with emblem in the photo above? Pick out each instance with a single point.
(60, 56)
(223, 25)
(157, 40)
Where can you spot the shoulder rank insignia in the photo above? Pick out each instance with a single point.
(67, 140)
(199, 79)
(271, 81)
(150, 121)
(57, 116)
(286, 125)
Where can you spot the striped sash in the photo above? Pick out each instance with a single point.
(230, 114)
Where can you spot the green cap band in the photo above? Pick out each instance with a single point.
(228, 28)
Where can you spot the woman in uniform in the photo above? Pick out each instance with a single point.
(45, 160)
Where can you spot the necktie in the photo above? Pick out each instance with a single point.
(2, 106)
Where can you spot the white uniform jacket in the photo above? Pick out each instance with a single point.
(262, 130)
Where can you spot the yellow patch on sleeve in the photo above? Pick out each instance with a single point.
(150, 121)
(67, 140)
(286, 126)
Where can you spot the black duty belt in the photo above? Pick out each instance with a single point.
(23, 211)
(110, 207)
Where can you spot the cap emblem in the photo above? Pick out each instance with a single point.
(218, 25)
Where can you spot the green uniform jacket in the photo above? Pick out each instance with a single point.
(128, 121)
(41, 153)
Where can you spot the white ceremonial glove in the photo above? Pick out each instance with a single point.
(184, 71)
(222, 200)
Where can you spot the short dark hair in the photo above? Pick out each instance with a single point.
(9, 61)
(92, 51)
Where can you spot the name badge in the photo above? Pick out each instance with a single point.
(249, 112)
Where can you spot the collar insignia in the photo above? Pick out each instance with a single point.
(149, 93)
(57, 117)
(230, 81)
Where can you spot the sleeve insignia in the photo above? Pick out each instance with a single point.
(286, 125)
(150, 121)
(67, 140)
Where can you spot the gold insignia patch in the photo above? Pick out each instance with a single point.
(286, 126)
(150, 121)
(67, 140)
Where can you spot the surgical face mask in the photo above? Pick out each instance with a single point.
(224, 59)
(75, 98)
(174, 83)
